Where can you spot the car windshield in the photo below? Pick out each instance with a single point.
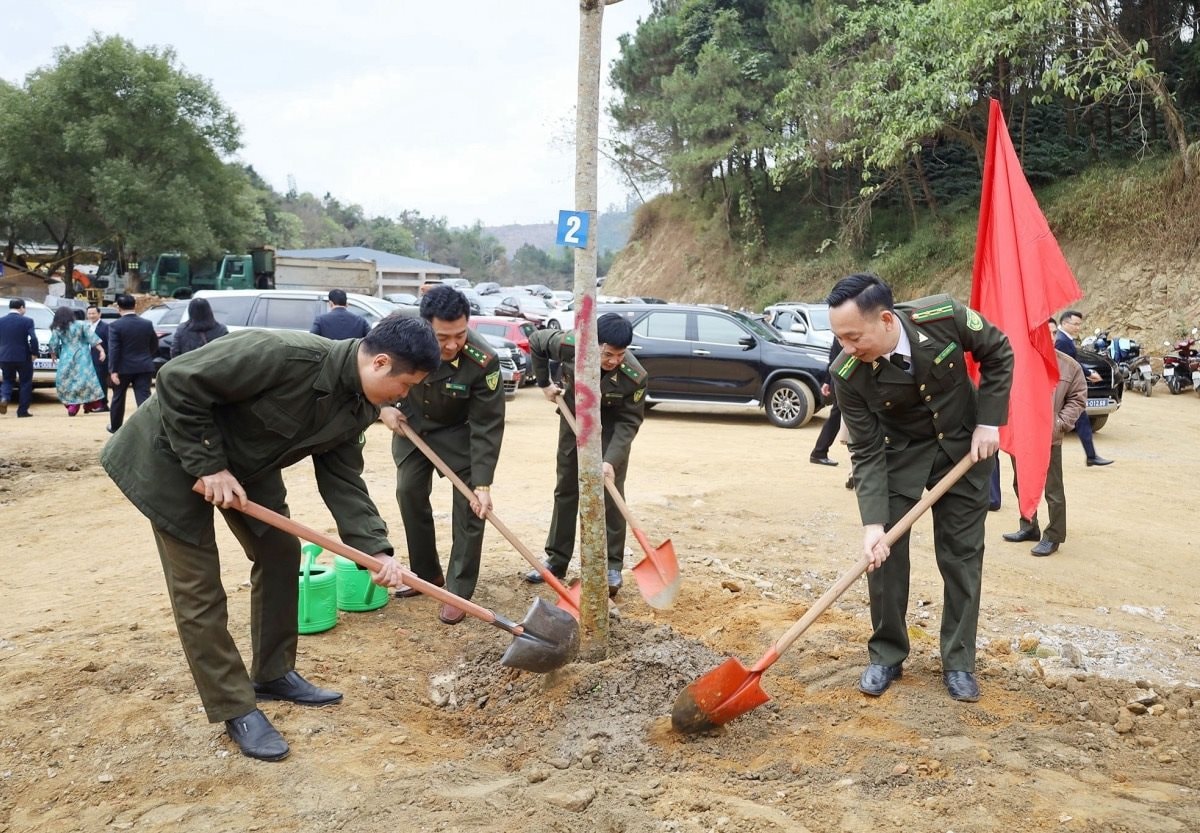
(763, 331)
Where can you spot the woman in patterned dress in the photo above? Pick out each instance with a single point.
(75, 380)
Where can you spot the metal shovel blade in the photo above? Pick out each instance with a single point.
(657, 574)
(548, 641)
(728, 691)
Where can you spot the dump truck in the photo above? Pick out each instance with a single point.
(176, 275)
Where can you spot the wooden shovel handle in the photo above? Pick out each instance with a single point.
(609, 486)
(852, 575)
(369, 562)
(462, 487)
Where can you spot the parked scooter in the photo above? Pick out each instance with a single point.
(1135, 369)
(1181, 369)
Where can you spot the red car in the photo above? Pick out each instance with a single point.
(516, 330)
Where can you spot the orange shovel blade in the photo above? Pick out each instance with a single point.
(569, 601)
(728, 691)
(657, 574)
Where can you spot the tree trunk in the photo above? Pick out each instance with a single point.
(593, 620)
(926, 189)
(908, 196)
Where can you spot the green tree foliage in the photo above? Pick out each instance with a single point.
(116, 145)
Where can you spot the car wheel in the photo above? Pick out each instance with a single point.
(790, 403)
(553, 324)
(1098, 422)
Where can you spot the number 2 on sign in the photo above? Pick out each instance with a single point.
(573, 229)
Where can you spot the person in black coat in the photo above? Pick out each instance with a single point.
(833, 424)
(339, 322)
(100, 327)
(18, 346)
(132, 344)
(1069, 327)
(200, 328)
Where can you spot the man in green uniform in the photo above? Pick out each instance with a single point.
(459, 410)
(622, 403)
(912, 413)
(233, 415)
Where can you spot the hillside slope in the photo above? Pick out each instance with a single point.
(1131, 235)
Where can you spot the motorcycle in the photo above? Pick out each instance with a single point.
(1181, 369)
(1136, 370)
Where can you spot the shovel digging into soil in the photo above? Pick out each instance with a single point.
(568, 597)
(730, 690)
(657, 574)
(547, 639)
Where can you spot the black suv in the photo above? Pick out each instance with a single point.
(708, 356)
(1103, 397)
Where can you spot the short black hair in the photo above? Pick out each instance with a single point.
(126, 301)
(1071, 313)
(446, 303)
(96, 307)
(16, 303)
(337, 297)
(869, 293)
(614, 330)
(409, 342)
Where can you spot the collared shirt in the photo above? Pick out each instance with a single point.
(904, 348)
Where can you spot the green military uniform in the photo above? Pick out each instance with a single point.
(254, 403)
(622, 408)
(459, 411)
(907, 429)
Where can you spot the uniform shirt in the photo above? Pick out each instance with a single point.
(898, 420)
(459, 410)
(253, 402)
(622, 389)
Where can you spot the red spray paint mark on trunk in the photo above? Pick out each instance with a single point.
(585, 397)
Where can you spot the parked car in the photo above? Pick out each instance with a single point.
(562, 297)
(44, 365)
(512, 363)
(801, 323)
(457, 283)
(165, 316)
(562, 318)
(288, 309)
(529, 307)
(403, 298)
(515, 330)
(700, 355)
(487, 288)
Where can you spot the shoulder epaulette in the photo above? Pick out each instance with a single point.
(475, 354)
(937, 312)
(569, 338)
(845, 369)
(633, 373)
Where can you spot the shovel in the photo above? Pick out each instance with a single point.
(657, 574)
(730, 690)
(568, 597)
(547, 639)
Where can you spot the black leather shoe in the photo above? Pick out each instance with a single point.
(406, 592)
(1098, 461)
(1044, 547)
(822, 461)
(614, 583)
(876, 679)
(535, 577)
(256, 737)
(1029, 533)
(295, 689)
(961, 685)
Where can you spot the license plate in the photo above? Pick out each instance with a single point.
(1168, 371)
(1097, 403)
(43, 364)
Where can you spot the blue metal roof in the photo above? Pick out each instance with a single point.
(386, 261)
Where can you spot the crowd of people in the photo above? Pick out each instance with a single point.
(233, 410)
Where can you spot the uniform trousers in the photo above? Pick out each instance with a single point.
(193, 573)
(560, 542)
(958, 538)
(414, 484)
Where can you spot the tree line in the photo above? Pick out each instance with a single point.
(844, 105)
(118, 148)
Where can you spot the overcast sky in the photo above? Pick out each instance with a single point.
(455, 108)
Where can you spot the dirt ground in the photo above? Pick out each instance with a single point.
(1089, 660)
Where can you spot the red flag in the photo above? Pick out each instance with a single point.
(1020, 279)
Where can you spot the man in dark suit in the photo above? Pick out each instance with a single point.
(100, 328)
(913, 413)
(1069, 326)
(132, 344)
(339, 322)
(18, 346)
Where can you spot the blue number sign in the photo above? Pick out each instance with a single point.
(572, 229)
